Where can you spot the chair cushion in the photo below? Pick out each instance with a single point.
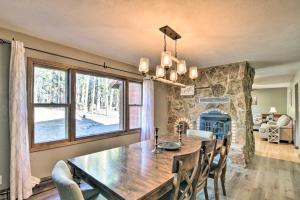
(216, 158)
(90, 193)
(97, 197)
(213, 166)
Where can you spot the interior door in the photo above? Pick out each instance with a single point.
(297, 137)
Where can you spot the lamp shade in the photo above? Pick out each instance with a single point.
(181, 67)
(173, 75)
(273, 110)
(166, 59)
(193, 72)
(160, 71)
(144, 65)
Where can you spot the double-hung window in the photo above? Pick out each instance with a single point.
(67, 105)
(135, 104)
(50, 104)
(99, 105)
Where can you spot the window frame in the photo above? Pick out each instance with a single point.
(129, 105)
(71, 104)
(53, 105)
(73, 113)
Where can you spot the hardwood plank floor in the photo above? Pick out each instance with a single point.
(274, 174)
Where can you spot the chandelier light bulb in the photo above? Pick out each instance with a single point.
(166, 59)
(144, 65)
(173, 75)
(181, 67)
(193, 72)
(160, 71)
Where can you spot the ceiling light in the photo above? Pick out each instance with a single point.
(173, 75)
(193, 72)
(181, 67)
(160, 71)
(144, 65)
(166, 62)
(166, 59)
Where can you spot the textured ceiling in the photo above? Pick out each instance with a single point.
(266, 33)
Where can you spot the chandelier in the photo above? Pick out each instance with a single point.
(167, 72)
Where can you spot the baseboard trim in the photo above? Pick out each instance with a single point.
(4, 194)
(46, 184)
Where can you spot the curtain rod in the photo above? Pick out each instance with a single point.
(2, 41)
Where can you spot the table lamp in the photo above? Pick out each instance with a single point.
(272, 112)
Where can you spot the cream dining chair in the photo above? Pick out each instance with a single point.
(67, 188)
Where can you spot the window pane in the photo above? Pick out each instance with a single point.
(98, 105)
(49, 85)
(50, 124)
(135, 93)
(135, 116)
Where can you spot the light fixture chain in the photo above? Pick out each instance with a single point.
(175, 48)
(165, 43)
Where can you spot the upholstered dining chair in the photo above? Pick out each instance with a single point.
(218, 169)
(67, 188)
(200, 133)
(185, 168)
(207, 153)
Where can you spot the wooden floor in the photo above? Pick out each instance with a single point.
(273, 174)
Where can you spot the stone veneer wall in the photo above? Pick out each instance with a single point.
(233, 81)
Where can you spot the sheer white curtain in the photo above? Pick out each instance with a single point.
(21, 182)
(148, 110)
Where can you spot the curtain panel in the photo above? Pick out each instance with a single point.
(148, 110)
(21, 182)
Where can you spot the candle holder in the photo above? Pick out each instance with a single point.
(156, 150)
(179, 130)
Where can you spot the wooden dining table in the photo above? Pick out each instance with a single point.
(132, 171)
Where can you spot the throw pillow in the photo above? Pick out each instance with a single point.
(283, 120)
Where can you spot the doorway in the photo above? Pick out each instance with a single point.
(296, 116)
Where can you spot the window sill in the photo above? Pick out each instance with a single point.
(64, 143)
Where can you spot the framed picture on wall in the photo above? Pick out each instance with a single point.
(254, 100)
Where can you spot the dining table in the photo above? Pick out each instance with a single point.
(133, 171)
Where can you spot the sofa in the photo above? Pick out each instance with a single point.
(284, 123)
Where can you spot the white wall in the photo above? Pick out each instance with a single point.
(291, 101)
(267, 98)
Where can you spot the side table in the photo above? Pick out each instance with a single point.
(274, 134)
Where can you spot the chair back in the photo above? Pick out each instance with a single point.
(67, 188)
(185, 168)
(200, 133)
(227, 141)
(206, 158)
(224, 152)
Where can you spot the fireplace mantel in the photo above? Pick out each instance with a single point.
(216, 100)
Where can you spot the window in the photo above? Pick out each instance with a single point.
(50, 105)
(135, 104)
(68, 105)
(98, 105)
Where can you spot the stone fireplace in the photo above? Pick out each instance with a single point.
(224, 92)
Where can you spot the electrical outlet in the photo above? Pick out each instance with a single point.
(0, 180)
